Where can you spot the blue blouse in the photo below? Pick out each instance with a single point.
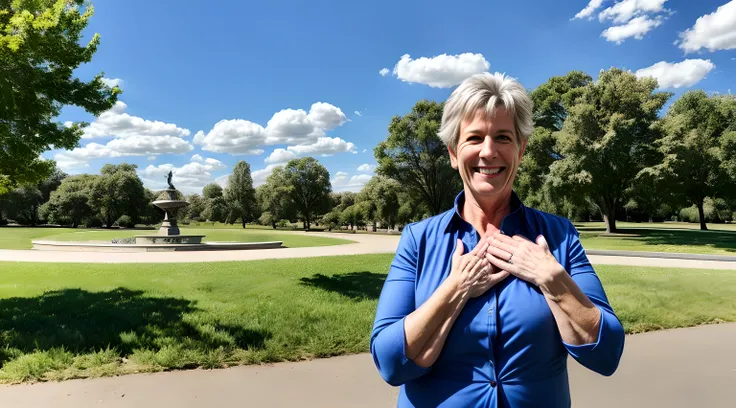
(504, 349)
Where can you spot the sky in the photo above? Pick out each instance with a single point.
(205, 86)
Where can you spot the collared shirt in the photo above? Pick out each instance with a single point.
(504, 349)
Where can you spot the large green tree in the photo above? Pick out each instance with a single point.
(606, 140)
(116, 192)
(70, 202)
(311, 188)
(691, 145)
(551, 101)
(380, 200)
(39, 51)
(275, 197)
(414, 155)
(240, 194)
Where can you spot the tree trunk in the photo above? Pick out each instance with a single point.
(273, 224)
(374, 225)
(701, 214)
(243, 222)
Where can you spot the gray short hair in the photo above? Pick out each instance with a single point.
(487, 91)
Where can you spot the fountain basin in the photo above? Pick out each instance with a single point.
(87, 246)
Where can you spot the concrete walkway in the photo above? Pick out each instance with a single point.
(364, 244)
(682, 368)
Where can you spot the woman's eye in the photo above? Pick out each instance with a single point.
(504, 138)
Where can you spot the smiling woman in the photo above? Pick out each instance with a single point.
(492, 327)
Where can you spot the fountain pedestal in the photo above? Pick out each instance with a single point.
(169, 227)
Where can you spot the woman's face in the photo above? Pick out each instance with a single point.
(488, 154)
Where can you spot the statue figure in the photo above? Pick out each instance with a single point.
(168, 179)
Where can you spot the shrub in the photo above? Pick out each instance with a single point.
(125, 221)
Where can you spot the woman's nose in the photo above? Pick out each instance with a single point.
(489, 149)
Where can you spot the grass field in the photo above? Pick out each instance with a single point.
(661, 237)
(20, 238)
(60, 321)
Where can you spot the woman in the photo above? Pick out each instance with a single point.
(483, 303)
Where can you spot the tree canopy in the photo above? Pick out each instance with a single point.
(240, 194)
(39, 52)
(310, 183)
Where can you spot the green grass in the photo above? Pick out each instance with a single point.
(60, 321)
(661, 237)
(20, 238)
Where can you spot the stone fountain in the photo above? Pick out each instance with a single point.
(168, 238)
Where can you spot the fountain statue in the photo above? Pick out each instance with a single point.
(171, 202)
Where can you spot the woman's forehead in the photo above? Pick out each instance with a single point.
(481, 118)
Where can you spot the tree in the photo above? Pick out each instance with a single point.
(606, 140)
(39, 52)
(415, 156)
(21, 204)
(240, 194)
(69, 203)
(691, 146)
(212, 190)
(195, 207)
(275, 197)
(380, 197)
(310, 187)
(118, 191)
(551, 101)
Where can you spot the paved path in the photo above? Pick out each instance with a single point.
(365, 244)
(683, 368)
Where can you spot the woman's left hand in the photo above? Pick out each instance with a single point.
(532, 262)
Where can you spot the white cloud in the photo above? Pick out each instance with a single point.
(358, 113)
(442, 71)
(675, 75)
(259, 176)
(295, 126)
(623, 11)
(112, 82)
(324, 146)
(384, 71)
(189, 178)
(341, 182)
(116, 123)
(365, 150)
(636, 28)
(152, 157)
(235, 136)
(366, 168)
(714, 31)
(222, 180)
(280, 156)
(131, 146)
(589, 9)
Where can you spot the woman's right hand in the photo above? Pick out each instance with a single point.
(472, 273)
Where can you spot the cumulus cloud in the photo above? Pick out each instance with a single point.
(636, 28)
(131, 146)
(189, 178)
(366, 168)
(384, 71)
(280, 156)
(324, 146)
(714, 31)
(589, 9)
(342, 182)
(442, 71)
(676, 75)
(296, 126)
(116, 123)
(259, 176)
(358, 113)
(625, 10)
(235, 136)
(113, 82)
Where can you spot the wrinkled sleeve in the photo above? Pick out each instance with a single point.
(388, 341)
(604, 355)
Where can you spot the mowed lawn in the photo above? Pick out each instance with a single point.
(661, 237)
(20, 238)
(60, 321)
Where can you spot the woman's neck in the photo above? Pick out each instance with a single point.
(486, 217)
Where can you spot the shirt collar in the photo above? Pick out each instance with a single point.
(517, 207)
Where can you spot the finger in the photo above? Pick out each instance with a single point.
(500, 253)
(542, 242)
(459, 249)
(519, 238)
(501, 264)
(498, 277)
(498, 237)
(502, 245)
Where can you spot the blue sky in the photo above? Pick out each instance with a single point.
(303, 77)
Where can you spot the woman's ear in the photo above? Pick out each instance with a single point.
(453, 157)
(522, 149)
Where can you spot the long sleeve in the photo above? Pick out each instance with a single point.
(604, 355)
(388, 339)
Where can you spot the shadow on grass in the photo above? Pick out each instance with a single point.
(82, 321)
(725, 240)
(355, 285)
